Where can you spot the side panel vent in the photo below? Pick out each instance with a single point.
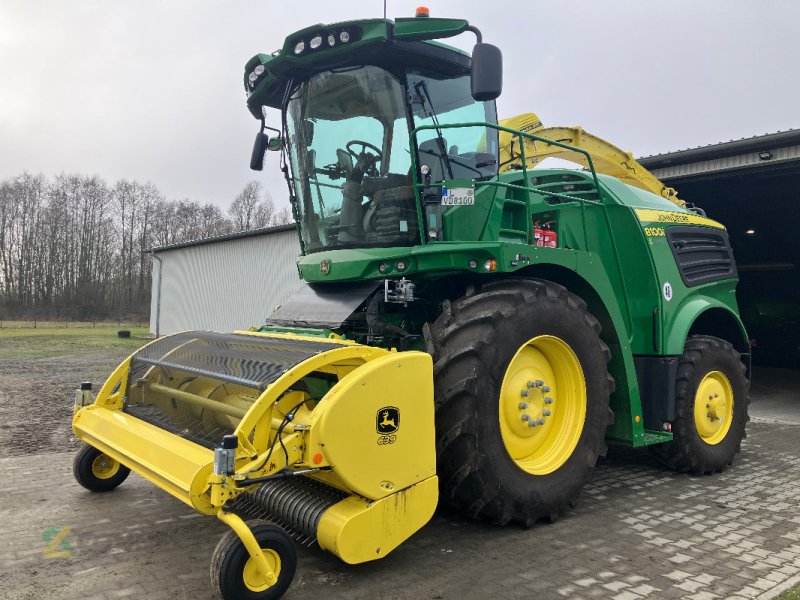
(703, 255)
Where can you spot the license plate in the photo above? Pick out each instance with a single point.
(458, 196)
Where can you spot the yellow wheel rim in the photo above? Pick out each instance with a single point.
(713, 407)
(104, 467)
(542, 405)
(254, 579)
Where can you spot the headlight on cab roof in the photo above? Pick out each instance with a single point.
(315, 40)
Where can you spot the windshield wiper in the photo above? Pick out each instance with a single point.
(431, 112)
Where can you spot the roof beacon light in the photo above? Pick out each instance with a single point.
(315, 42)
(423, 11)
(299, 47)
(344, 37)
(331, 40)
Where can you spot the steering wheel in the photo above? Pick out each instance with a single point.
(364, 146)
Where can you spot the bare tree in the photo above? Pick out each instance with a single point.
(283, 216)
(75, 247)
(252, 208)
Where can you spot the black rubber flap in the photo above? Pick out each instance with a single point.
(322, 305)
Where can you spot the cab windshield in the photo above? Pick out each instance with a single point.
(350, 157)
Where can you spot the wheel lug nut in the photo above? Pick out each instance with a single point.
(523, 405)
(546, 413)
(537, 383)
(523, 393)
(716, 395)
(541, 421)
(545, 388)
(548, 400)
(532, 424)
(708, 405)
(526, 417)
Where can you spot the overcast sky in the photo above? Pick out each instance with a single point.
(152, 90)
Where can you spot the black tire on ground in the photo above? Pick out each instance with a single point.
(472, 342)
(97, 472)
(688, 452)
(230, 557)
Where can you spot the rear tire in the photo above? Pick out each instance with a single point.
(98, 472)
(711, 399)
(474, 342)
(233, 572)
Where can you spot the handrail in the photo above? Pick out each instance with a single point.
(519, 134)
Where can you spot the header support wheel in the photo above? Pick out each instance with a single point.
(254, 561)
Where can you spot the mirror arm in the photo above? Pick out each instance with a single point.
(477, 33)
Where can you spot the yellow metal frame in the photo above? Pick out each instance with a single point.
(358, 530)
(391, 477)
(184, 468)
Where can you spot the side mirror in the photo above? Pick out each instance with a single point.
(259, 148)
(275, 143)
(487, 72)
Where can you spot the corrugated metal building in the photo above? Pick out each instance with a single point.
(752, 185)
(223, 283)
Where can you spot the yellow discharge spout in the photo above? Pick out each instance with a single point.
(607, 158)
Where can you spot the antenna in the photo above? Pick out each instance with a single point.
(384, 9)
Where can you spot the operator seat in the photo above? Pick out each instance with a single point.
(433, 154)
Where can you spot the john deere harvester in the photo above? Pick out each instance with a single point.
(473, 328)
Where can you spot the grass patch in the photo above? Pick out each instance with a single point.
(792, 594)
(55, 339)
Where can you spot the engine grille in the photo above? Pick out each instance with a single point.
(702, 255)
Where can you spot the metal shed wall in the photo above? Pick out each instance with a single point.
(224, 285)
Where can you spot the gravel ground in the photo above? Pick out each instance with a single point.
(37, 393)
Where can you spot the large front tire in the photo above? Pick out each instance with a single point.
(518, 347)
(711, 398)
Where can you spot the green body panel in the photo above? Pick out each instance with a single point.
(603, 245)
(607, 248)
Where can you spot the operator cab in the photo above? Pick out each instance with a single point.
(350, 153)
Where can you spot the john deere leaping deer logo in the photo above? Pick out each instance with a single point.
(388, 420)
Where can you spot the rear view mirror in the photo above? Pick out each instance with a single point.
(275, 143)
(259, 148)
(487, 72)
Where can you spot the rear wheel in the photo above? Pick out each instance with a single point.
(522, 395)
(710, 408)
(234, 574)
(96, 471)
